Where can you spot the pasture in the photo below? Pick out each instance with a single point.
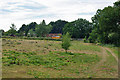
(46, 59)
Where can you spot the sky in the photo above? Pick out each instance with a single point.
(26, 11)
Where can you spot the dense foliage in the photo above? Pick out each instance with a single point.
(78, 28)
(42, 29)
(1, 32)
(106, 24)
(25, 28)
(58, 26)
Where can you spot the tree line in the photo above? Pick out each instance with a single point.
(78, 28)
(106, 25)
(104, 28)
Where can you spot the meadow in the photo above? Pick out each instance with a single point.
(23, 58)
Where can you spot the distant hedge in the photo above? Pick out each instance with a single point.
(32, 38)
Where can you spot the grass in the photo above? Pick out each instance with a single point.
(112, 47)
(37, 74)
(110, 66)
(53, 60)
(111, 58)
(79, 46)
(115, 50)
(46, 59)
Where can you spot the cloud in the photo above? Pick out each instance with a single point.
(89, 13)
(23, 11)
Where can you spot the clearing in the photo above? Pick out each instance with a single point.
(46, 59)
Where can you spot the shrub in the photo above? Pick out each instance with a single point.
(85, 39)
(66, 41)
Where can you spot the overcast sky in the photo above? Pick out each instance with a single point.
(25, 11)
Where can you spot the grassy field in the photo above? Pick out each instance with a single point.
(46, 59)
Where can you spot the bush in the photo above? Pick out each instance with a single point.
(85, 39)
(66, 41)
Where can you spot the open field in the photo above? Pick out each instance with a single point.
(46, 59)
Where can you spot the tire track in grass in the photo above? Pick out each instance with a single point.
(104, 55)
(116, 58)
(93, 69)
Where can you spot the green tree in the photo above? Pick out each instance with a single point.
(23, 31)
(66, 41)
(42, 29)
(11, 31)
(2, 32)
(78, 28)
(31, 33)
(106, 24)
(58, 26)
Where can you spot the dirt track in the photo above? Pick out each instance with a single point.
(104, 56)
(112, 54)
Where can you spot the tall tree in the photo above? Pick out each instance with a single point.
(106, 25)
(58, 26)
(25, 28)
(2, 31)
(42, 29)
(78, 28)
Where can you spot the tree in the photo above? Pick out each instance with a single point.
(31, 33)
(78, 28)
(25, 28)
(66, 41)
(58, 26)
(2, 31)
(11, 31)
(42, 29)
(106, 24)
(117, 3)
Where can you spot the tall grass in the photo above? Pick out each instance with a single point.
(77, 45)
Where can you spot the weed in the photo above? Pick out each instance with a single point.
(38, 45)
(77, 72)
(46, 47)
(89, 77)
(18, 43)
(49, 51)
(4, 50)
(4, 39)
(36, 76)
(50, 44)
(13, 46)
(29, 72)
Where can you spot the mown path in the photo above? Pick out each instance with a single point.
(116, 58)
(104, 56)
(94, 68)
